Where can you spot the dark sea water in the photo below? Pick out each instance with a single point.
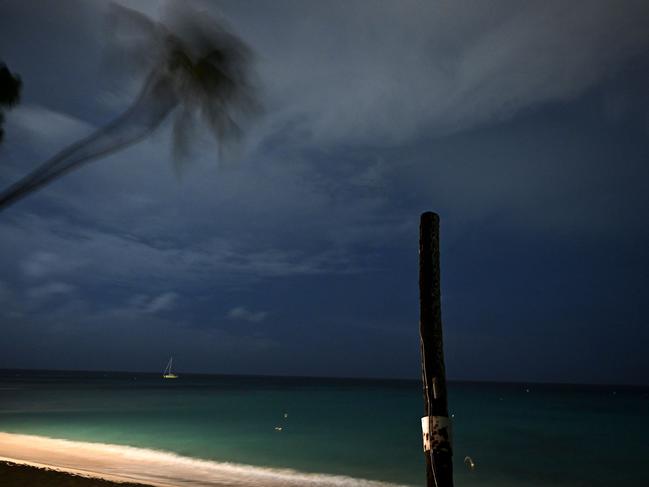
(517, 434)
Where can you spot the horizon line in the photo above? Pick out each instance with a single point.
(325, 377)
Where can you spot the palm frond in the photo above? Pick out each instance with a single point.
(184, 126)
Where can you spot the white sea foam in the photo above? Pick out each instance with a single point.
(165, 469)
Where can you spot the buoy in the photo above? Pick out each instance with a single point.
(470, 464)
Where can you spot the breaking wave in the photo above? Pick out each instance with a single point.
(166, 469)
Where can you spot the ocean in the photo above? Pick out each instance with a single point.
(517, 434)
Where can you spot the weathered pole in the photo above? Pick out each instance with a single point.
(436, 426)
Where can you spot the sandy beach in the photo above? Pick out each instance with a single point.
(16, 475)
(117, 463)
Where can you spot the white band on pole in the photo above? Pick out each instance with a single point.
(436, 432)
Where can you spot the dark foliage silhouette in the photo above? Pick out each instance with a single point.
(196, 68)
(10, 86)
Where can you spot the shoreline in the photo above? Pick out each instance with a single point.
(119, 464)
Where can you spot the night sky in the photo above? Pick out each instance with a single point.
(525, 125)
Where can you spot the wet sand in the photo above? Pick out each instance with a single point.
(117, 463)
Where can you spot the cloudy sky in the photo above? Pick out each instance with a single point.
(525, 125)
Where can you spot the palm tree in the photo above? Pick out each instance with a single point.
(10, 86)
(198, 68)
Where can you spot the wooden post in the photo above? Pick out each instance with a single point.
(436, 426)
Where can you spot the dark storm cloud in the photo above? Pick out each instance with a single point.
(523, 124)
(385, 71)
(388, 71)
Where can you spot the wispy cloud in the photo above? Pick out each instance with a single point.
(244, 314)
(41, 264)
(389, 71)
(90, 252)
(50, 289)
(42, 125)
(162, 302)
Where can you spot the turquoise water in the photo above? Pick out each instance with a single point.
(518, 434)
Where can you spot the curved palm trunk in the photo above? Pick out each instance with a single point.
(154, 103)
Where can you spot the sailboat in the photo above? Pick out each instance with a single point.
(168, 374)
